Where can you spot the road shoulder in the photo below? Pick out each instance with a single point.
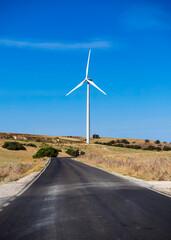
(162, 187)
(11, 189)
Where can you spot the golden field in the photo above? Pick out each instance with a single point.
(16, 164)
(147, 165)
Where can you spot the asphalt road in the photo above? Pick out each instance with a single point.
(72, 201)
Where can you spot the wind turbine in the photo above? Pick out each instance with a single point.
(89, 81)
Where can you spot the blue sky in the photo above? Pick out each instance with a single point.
(43, 54)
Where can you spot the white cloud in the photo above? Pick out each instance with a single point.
(54, 45)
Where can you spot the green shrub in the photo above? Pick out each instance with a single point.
(97, 142)
(96, 136)
(116, 144)
(124, 141)
(47, 152)
(110, 143)
(133, 146)
(158, 148)
(166, 148)
(13, 146)
(119, 145)
(44, 144)
(136, 147)
(31, 145)
(147, 140)
(152, 148)
(74, 152)
(157, 141)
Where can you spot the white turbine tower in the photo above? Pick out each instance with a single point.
(89, 81)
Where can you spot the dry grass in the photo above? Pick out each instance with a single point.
(147, 165)
(13, 171)
(74, 139)
(16, 164)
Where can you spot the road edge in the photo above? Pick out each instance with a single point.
(34, 179)
(139, 182)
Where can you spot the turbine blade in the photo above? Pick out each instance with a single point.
(88, 64)
(79, 85)
(92, 83)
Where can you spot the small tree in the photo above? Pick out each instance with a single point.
(157, 141)
(166, 148)
(152, 148)
(147, 140)
(74, 152)
(46, 152)
(96, 136)
(110, 143)
(13, 146)
(124, 141)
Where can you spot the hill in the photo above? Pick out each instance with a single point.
(113, 154)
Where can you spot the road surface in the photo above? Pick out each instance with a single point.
(72, 201)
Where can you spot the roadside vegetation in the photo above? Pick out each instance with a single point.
(13, 146)
(74, 152)
(47, 152)
(96, 136)
(15, 163)
(126, 144)
(146, 159)
(30, 145)
(147, 165)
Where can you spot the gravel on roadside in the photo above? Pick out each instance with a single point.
(13, 188)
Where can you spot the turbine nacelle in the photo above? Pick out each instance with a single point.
(88, 79)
